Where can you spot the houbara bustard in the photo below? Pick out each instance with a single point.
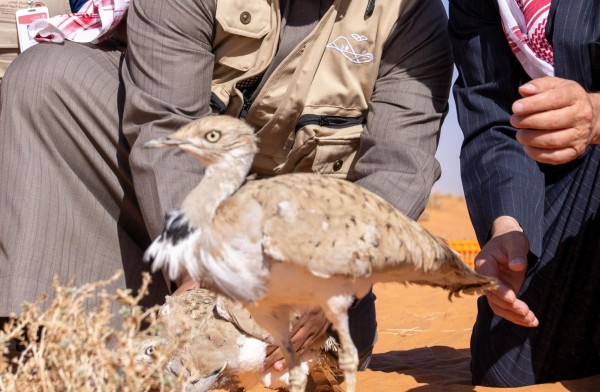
(223, 346)
(291, 240)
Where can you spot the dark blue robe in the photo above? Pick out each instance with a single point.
(557, 206)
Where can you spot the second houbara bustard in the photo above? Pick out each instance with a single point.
(294, 239)
(223, 347)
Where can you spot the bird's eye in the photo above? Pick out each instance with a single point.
(213, 136)
(150, 350)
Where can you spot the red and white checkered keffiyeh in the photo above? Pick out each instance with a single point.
(524, 23)
(94, 21)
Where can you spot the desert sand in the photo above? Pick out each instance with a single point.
(423, 343)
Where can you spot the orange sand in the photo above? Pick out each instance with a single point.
(423, 345)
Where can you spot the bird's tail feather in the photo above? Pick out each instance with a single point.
(440, 266)
(454, 275)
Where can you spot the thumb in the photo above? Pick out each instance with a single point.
(517, 253)
(517, 263)
(540, 85)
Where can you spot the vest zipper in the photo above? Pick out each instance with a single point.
(327, 121)
(245, 108)
(217, 104)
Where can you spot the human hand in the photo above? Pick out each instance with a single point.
(505, 258)
(556, 119)
(309, 328)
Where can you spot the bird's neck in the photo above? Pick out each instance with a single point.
(220, 181)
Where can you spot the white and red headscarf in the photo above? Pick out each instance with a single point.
(94, 22)
(524, 23)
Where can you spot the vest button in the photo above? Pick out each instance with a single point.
(337, 165)
(245, 17)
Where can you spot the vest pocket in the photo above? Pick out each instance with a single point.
(325, 145)
(335, 157)
(241, 25)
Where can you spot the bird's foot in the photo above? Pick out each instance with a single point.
(350, 380)
(298, 379)
(348, 362)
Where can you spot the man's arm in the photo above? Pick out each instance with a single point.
(167, 76)
(504, 187)
(397, 155)
(499, 179)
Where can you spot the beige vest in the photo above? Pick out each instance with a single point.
(310, 112)
(9, 44)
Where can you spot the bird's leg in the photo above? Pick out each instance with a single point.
(277, 323)
(298, 377)
(337, 312)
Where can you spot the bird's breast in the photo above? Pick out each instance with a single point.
(292, 284)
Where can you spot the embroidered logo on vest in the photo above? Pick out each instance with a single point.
(343, 45)
(358, 37)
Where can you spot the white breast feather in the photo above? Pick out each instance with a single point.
(238, 271)
(252, 353)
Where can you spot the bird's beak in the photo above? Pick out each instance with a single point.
(163, 142)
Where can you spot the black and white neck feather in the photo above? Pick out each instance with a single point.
(227, 153)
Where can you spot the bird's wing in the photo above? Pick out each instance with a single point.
(209, 341)
(335, 227)
(236, 314)
(332, 226)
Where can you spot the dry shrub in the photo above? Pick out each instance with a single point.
(67, 348)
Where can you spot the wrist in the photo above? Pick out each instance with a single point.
(185, 285)
(184, 280)
(595, 101)
(505, 224)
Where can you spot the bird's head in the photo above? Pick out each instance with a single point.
(212, 139)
